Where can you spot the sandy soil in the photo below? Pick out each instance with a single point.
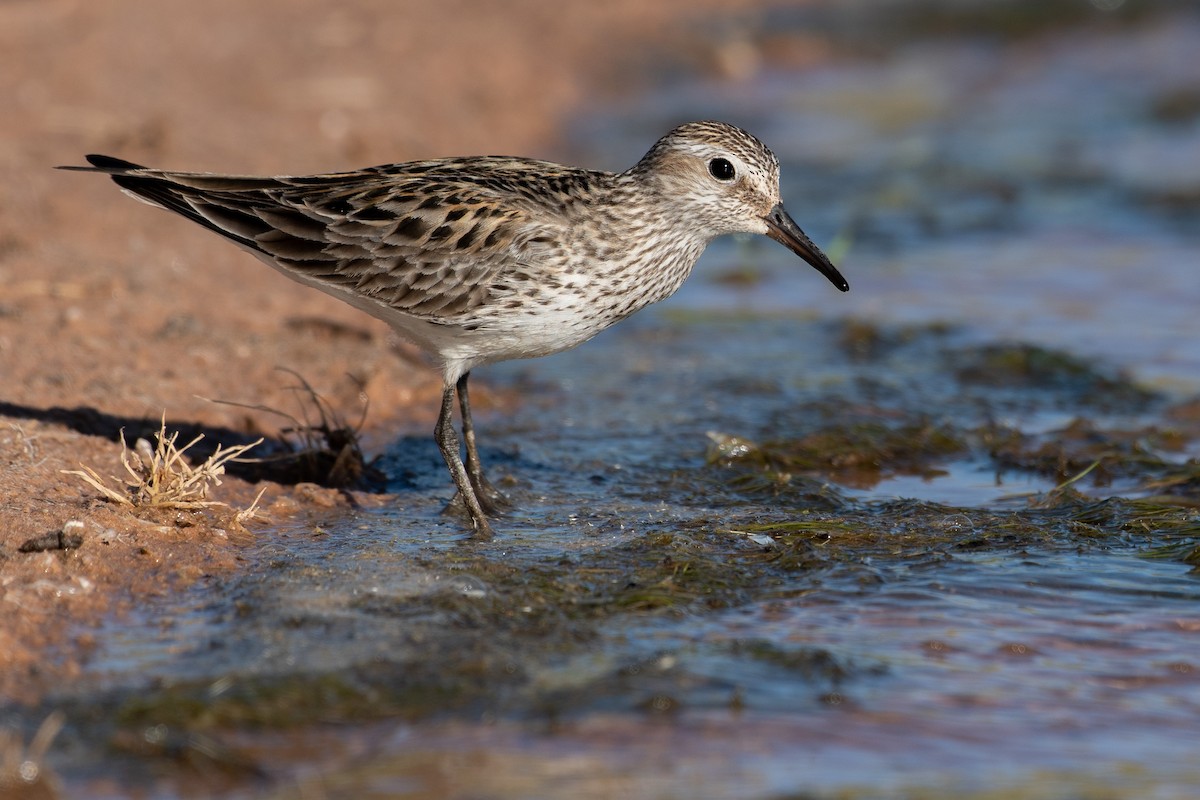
(112, 314)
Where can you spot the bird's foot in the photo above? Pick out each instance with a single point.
(491, 499)
(458, 507)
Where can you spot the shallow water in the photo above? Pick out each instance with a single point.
(955, 664)
(658, 618)
(1042, 189)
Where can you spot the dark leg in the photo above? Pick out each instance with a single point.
(447, 441)
(490, 498)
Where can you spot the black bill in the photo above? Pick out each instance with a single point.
(784, 230)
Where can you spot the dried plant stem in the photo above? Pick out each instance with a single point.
(162, 478)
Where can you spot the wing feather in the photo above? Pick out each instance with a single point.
(432, 239)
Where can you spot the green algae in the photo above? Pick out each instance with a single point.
(851, 454)
(1033, 368)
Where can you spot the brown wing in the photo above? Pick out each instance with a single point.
(427, 238)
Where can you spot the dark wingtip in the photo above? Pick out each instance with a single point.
(109, 162)
(100, 163)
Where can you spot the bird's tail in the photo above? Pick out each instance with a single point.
(105, 164)
(176, 192)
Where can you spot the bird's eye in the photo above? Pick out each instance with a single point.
(721, 169)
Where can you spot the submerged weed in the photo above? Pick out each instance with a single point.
(1140, 457)
(906, 529)
(855, 454)
(1029, 367)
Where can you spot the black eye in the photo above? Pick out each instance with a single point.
(721, 169)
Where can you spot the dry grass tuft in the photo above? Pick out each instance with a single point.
(161, 477)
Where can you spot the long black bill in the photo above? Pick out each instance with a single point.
(784, 230)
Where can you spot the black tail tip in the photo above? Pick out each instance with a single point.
(113, 166)
(109, 163)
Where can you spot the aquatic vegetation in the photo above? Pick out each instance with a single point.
(1026, 367)
(852, 454)
(1140, 453)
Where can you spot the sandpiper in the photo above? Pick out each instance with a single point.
(484, 259)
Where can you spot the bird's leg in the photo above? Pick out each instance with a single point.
(447, 441)
(490, 498)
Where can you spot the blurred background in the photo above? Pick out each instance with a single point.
(982, 171)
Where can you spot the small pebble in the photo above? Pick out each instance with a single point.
(69, 538)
